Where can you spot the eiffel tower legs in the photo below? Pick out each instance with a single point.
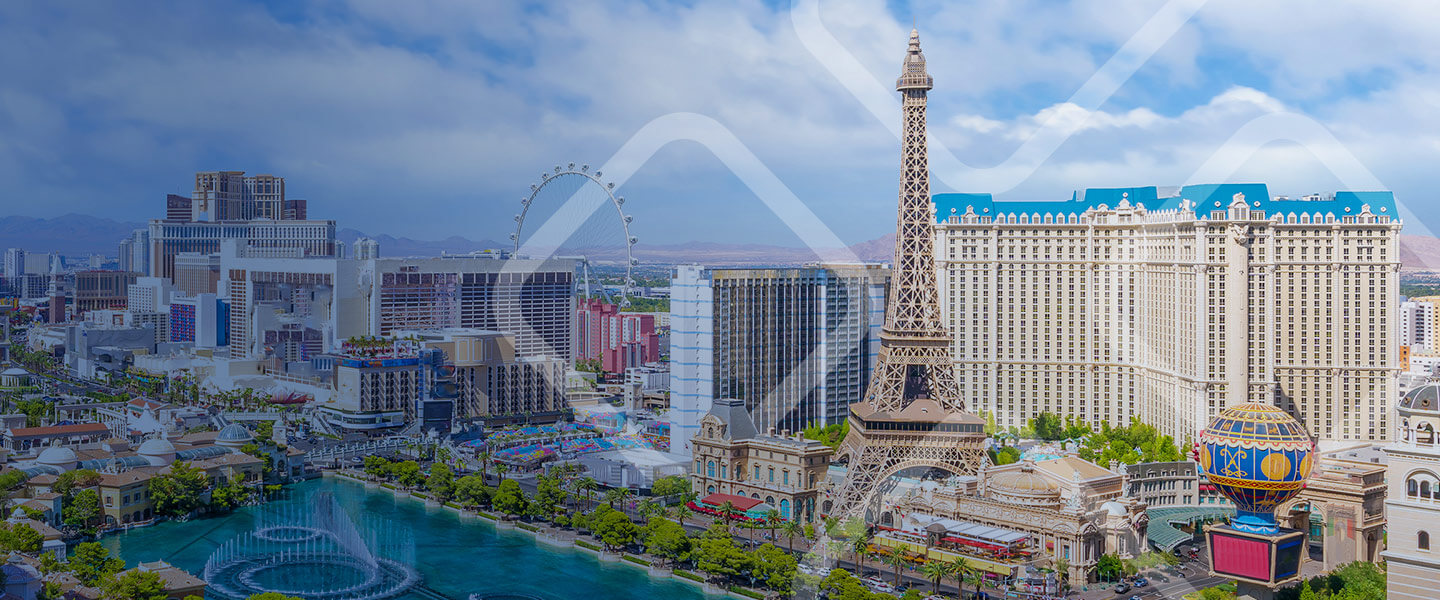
(874, 458)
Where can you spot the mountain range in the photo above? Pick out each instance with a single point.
(76, 235)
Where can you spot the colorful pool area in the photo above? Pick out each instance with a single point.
(457, 557)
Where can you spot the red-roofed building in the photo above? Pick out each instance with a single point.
(750, 508)
(26, 440)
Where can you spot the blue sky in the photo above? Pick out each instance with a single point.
(429, 119)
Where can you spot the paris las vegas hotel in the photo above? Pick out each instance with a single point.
(1169, 304)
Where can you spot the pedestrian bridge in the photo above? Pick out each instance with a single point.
(1164, 532)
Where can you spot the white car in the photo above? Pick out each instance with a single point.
(877, 585)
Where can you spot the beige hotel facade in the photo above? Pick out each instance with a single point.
(1169, 304)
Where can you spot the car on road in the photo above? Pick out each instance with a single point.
(1135, 597)
(1140, 582)
(1121, 588)
(878, 585)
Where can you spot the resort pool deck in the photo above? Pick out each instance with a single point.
(457, 556)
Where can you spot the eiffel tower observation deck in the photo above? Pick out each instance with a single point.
(912, 415)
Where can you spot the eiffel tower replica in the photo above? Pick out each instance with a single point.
(912, 414)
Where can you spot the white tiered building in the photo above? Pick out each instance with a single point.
(1412, 552)
(1168, 305)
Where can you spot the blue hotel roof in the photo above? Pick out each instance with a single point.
(1203, 198)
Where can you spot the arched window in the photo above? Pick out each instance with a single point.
(710, 469)
(697, 467)
(770, 500)
(1425, 489)
(1424, 540)
(710, 490)
(785, 509)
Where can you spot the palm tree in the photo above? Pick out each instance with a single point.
(935, 570)
(957, 569)
(772, 519)
(728, 512)
(649, 509)
(894, 559)
(1062, 570)
(860, 547)
(791, 529)
(587, 485)
(500, 469)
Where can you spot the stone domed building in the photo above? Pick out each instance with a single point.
(1412, 550)
(1065, 507)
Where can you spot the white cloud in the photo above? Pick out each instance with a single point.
(449, 109)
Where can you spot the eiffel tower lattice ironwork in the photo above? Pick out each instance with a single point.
(912, 414)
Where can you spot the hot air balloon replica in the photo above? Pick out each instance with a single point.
(1258, 456)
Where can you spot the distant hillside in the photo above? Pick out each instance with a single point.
(80, 234)
(393, 246)
(1419, 252)
(69, 234)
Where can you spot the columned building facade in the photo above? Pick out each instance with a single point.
(1412, 553)
(1168, 305)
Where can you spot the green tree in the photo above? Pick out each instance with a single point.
(229, 496)
(934, 571)
(1135, 443)
(408, 474)
(775, 567)
(25, 539)
(69, 481)
(964, 572)
(896, 561)
(1005, 455)
(1109, 566)
(668, 486)
(615, 529)
(791, 529)
(134, 585)
(92, 562)
(860, 547)
(715, 553)
(377, 467)
(841, 585)
(471, 490)
(548, 494)
(441, 481)
(82, 511)
(509, 498)
(1047, 426)
(830, 435)
(666, 539)
(51, 591)
(178, 492)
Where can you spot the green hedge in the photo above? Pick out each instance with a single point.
(528, 527)
(587, 545)
(635, 559)
(745, 592)
(486, 515)
(452, 505)
(387, 486)
(689, 575)
(421, 495)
